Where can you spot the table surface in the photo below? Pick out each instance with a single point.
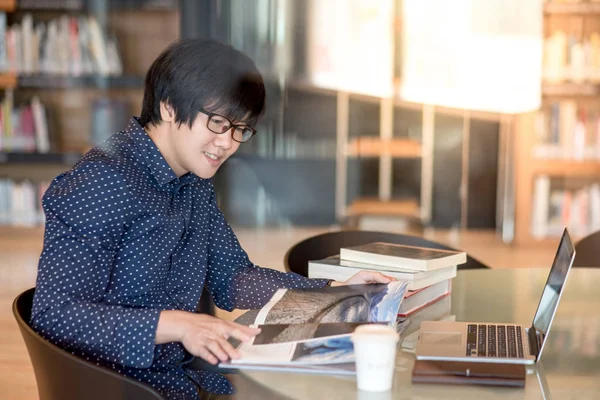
(570, 365)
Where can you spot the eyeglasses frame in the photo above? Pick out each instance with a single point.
(231, 128)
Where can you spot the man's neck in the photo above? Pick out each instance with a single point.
(160, 136)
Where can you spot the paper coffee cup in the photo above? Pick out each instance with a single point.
(375, 352)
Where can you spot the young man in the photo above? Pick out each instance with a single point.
(133, 232)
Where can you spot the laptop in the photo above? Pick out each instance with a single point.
(494, 342)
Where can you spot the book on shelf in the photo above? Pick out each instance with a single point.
(24, 126)
(67, 45)
(340, 270)
(571, 56)
(403, 257)
(311, 329)
(3, 54)
(556, 205)
(568, 130)
(21, 203)
(108, 116)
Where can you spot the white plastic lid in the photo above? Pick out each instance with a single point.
(375, 332)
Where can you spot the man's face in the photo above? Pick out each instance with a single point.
(198, 149)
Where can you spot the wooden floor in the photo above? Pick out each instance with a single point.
(20, 249)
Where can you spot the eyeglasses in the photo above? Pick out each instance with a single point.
(219, 124)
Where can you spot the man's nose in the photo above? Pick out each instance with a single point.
(225, 139)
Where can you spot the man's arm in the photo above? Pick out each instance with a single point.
(233, 280)
(86, 212)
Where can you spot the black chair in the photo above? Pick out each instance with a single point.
(329, 244)
(587, 251)
(62, 376)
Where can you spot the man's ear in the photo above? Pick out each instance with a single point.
(167, 113)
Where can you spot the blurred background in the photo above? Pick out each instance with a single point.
(474, 123)
(387, 114)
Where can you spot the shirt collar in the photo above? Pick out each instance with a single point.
(159, 167)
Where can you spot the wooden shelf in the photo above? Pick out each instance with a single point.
(7, 5)
(375, 147)
(570, 89)
(46, 81)
(39, 158)
(82, 5)
(572, 8)
(372, 206)
(8, 80)
(532, 160)
(566, 168)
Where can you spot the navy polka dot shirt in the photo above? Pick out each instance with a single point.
(125, 238)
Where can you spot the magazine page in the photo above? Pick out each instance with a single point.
(351, 303)
(329, 350)
(332, 348)
(329, 369)
(284, 333)
(333, 353)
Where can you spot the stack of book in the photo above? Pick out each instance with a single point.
(429, 272)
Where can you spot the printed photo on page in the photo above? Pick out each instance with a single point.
(352, 303)
(330, 350)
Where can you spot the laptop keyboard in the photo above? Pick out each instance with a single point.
(503, 341)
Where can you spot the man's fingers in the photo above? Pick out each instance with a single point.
(231, 352)
(241, 332)
(204, 353)
(206, 337)
(216, 347)
(377, 277)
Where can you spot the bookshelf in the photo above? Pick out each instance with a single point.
(66, 158)
(574, 8)
(87, 5)
(557, 148)
(375, 147)
(47, 81)
(571, 89)
(404, 208)
(567, 168)
(86, 95)
(385, 146)
(8, 80)
(7, 5)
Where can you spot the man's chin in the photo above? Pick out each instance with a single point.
(206, 173)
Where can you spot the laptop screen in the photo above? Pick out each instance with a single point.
(554, 285)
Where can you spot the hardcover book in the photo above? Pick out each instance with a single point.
(403, 257)
(341, 270)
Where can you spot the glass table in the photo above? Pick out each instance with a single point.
(570, 366)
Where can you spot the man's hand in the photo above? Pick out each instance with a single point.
(362, 277)
(202, 335)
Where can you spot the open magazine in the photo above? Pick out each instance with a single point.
(310, 330)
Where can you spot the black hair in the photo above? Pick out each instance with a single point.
(194, 74)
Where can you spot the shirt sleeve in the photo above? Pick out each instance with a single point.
(233, 280)
(86, 213)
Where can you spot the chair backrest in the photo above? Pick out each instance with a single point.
(61, 375)
(329, 244)
(587, 251)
